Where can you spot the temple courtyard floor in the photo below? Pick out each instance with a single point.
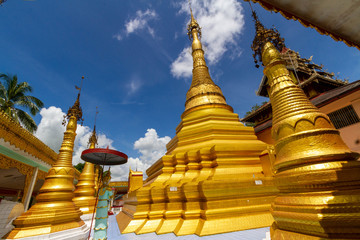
(252, 234)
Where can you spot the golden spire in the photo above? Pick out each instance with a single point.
(203, 91)
(93, 138)
(54, 210)
(316, 173)
(85, 189)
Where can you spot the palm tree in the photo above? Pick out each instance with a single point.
(13, 94)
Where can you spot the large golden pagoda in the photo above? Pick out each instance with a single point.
(85, 189)
(317, 174)
(54, 213)
(211, 179)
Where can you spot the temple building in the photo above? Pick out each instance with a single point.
(339, 99)
(24, 163)
(211, 179)
(120, 189)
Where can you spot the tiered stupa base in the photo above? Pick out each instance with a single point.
(330, 211)
(79, 233)
(86, 205)
(211, 181)
(37, 223)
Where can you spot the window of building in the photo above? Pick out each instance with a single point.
(344, 117)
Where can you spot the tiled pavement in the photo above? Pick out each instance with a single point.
(253, 234)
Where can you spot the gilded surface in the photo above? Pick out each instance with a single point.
(41, 175)
(13, 133)
(54, 210)
(85, 189)
(135, 180)
(211, 179)
(97, 180)
(203, 91)
(6, 163)
(317, 174)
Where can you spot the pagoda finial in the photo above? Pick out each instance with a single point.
(93, 137)
(203, 91)
(262, 36)
(75, 110)
(193, 25)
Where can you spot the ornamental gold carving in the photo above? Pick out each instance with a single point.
(6, 163)
(13, 133)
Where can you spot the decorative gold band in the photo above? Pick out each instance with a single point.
(96, 229)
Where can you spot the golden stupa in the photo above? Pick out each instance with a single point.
(85, 189)
(54, 212)
(135, 180)
(211, 179)
(317, 174)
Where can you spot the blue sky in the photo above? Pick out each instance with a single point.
(135, 66)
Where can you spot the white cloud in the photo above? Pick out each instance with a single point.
(121, 172)
(83, 134)
(134, 84)
(139, 22)
(151, 147)
(51, 132)
(221, 23)
(118, 37)
(182, 66)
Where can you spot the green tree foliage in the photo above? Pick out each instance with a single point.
(14, 95)
(254, 108)
(79, 166)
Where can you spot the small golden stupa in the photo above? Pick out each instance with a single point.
(135, 180)
(211, 179)
(85, 189)
(317, 174)
(54, 212)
